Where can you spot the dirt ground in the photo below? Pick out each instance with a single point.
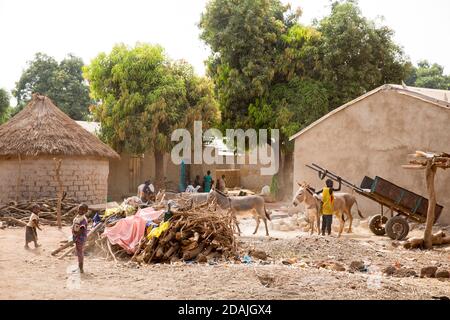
(35, 274)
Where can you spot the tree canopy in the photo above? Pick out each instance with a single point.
(143, 96)
(270, 71)
(356, 54)
(61, 81)
(4, 105)
(428, 75)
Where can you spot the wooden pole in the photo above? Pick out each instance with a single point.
(60, 191)
(18, 178)
(430, 173)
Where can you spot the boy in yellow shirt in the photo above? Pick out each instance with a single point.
(328, 205)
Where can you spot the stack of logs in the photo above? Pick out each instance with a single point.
(195, 234)
(18, 213)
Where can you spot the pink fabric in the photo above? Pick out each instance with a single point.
(128, 232)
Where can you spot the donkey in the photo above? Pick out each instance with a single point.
(243, 206)
(343, 203)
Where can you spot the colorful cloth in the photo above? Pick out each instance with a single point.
(129, 231)
(208, 182)
(328, 202)
(79, 248)
(79, 229)
(156, 232)
(30, 234)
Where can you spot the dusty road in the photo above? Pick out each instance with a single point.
(35, 274)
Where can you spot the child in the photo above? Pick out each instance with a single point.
(79, 233)
(30, 229)
(328, 205)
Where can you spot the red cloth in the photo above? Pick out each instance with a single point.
(128, 232)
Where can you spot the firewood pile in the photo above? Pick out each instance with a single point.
(195, 234)
(18, 213)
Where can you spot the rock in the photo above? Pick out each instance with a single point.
(289, 261)
(405, 273)
(395, 243)
(390, 270)
(442, 273)
(337, 267)
(330, 265)
(258, 254)
(428, 272)
(358, 266)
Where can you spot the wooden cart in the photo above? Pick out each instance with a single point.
(397, 205)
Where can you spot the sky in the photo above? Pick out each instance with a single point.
(87, 27)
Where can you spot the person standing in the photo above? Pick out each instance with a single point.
(221, 185)
(79, 233)
(32, 225)
(197, 184)
(327, 209)
(207, 182)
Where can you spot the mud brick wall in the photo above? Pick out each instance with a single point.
(85, 180)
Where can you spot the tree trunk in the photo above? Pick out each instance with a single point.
(430, 174)
(159, 169)
(287, 172)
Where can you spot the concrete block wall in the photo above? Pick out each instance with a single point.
(85, 180)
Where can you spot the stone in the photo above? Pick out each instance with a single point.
(358, 266)
(428, 272)
(390, 270)
(258, 254)
(289, 261)
(405, 273)
(442, 273)
(336, 267)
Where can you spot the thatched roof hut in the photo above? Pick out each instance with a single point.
(41, 128)
(37, 136)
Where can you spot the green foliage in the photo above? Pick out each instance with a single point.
(274, 189)
(62, 82)
(5, 108)
(143, 96)
(356, 54)
(428, 75)
(272, 72)
(245, 37)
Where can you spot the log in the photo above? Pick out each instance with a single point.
(171, 251)
(14, 220)
(192, 254)
(71, 250)
(110, 250)
(68, 244)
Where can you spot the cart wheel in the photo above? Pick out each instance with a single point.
(397, 228)
(376, 224)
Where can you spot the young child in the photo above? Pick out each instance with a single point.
(33, 224)
(79, 233)
(328, 205)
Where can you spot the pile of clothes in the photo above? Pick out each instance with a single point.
(127, 232)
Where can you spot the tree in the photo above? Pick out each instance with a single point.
(356, 54)
(143, 96)
(4, 106)
(428, 75)
(244, 37)
(272, 72)
(62, 82)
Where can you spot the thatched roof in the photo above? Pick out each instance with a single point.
(41, 128)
